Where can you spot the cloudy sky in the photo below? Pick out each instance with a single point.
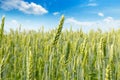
(88, 14)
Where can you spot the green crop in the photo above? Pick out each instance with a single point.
(59, 55)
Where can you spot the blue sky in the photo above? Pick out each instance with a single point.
(88, 14)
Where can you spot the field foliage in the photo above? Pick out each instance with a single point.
(59, 55)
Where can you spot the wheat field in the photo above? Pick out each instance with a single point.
(59, 55)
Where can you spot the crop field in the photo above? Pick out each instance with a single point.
(59, 54)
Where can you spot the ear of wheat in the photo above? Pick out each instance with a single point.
(2, 28)
(30, 65)
(2, 59)
(58, 31)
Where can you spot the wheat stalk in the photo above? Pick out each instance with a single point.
(109, 66)
(30, 65)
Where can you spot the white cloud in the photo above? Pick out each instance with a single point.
(76, 22)
(111, 22)
(100, 14)
(21, 5)
(92, 4)
(108, 19)
(56, 13)
(106, 23)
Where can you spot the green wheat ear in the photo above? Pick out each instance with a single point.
(2, 27)
(60, 26)
(2, 24)
(30, 65)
